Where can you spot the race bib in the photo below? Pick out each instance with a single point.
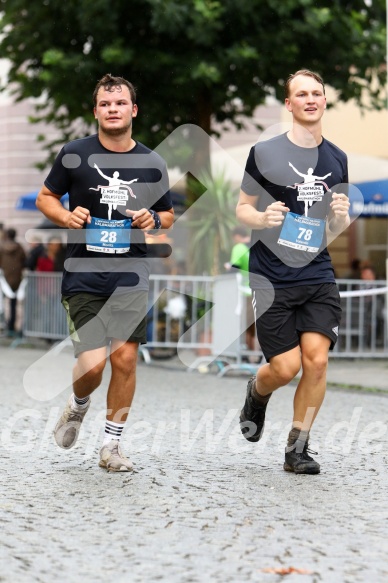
(108, 236)
(302, 233)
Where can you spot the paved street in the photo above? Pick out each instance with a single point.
(203, 504)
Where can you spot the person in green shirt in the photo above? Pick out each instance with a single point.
(239, 259)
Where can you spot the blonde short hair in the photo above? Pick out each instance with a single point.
(306, 73)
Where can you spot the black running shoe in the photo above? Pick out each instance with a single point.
(252, 416)
(299, 461)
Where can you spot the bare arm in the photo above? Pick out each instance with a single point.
(49, 204)
(248, 215)
(167, 218)
(339, 218)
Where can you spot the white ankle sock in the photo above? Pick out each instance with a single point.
(80, 403)
(112, 431)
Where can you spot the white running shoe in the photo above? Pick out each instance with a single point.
(113, 459)
(67, 429)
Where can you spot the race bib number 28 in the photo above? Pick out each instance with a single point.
(108, 236)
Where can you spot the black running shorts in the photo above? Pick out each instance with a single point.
(95, 320)
(305, 308)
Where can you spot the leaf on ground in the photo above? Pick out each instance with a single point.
(286, 571)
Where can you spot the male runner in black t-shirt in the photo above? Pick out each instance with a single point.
(118, 190)
(293, 198)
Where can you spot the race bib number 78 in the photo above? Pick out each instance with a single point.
(302, 233)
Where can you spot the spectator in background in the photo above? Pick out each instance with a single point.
(52, 258)
(239, 259)
(368, 273)
(36, 250)
(2, 234)
(355, 269)
(12, 259)
(373, 308)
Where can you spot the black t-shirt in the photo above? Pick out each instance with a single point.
(107, 183)
(304, 179)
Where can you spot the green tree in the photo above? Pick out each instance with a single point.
(193, 61)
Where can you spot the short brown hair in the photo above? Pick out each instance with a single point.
(109, 83)
(306, 73)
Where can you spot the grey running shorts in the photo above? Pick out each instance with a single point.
(94, 320)
(305, 308)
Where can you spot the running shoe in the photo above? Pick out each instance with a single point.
(298, 460)
(252, 415)
(113, 459)
(67, 429)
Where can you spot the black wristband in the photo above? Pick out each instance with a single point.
(156, 217)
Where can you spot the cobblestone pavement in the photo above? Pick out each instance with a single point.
(203, 504)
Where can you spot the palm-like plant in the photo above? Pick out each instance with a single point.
(213, 219)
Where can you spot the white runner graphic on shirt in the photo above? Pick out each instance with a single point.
(311, 189)
(113, 195)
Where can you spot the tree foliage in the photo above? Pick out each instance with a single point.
(192, 61)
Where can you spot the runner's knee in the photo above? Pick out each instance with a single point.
(285, 370)
(314, 362)
(124, 359)
(90, 369)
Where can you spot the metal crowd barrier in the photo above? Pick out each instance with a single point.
(2, 307)
(43, 315)
(363, 330)
(178, 302)
(175, 303)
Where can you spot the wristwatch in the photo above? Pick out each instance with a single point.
(157, 221)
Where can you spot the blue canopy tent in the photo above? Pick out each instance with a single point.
(375, 195)
(27, 201)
